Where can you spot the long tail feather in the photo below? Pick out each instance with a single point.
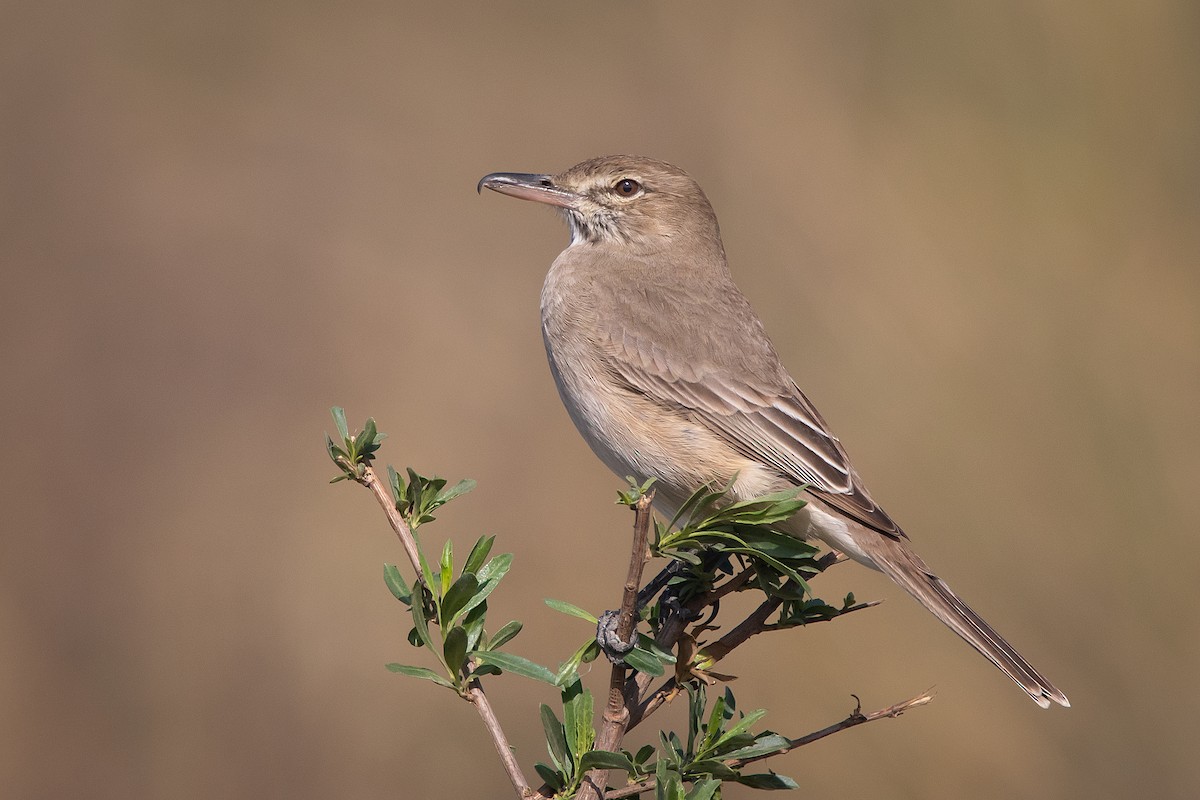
(907, 569)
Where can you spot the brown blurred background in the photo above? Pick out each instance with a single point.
(972, 232)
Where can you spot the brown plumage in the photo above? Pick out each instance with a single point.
(667, 372)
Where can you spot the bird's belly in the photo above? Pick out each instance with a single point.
(634, 435)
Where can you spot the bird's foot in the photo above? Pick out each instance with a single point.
(610, 643)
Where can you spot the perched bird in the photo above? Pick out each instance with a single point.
(666, 371)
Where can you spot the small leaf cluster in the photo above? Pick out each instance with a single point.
(800, 610)
(717, 739)
(705, 523)
(417, 498)
(635, 492)
(457, 608)
(570, 742)
(356, 451)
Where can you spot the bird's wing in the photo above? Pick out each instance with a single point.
(762, 413)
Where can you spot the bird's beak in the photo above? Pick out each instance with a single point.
(538, 188)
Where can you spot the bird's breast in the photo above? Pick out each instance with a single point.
(632, 432)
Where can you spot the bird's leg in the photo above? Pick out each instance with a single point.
(658, 582)
(670, 598)
(606, 627)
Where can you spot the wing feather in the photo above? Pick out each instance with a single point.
(780, 428)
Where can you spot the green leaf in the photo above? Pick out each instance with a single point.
(741, 726)
(420, 672)
(364, 440)
(556, 741)
(668, 784)
(763, 745)
(564, 607)
(447, 566)
(473, 624)
(696, 702)
(395, 583)
(479, 554)
(568, 670)
(454, 647)
(714, 767)
(396, 487)
(651, 646)
(412, 496)
(774, 562)
(603, 759)
(715, 719)
(505, 634)
(767, 780)
(555, 780)
(778, 545)
(339, 419)
(426, 571)
(462, 487)
(516, 665)
(334, 451)
(703, 789)
(644, 662)
(495, 569)
(456, 598)
(485, 669)
(643, 755)
(578, 710)
(482, 594)
(670, 748)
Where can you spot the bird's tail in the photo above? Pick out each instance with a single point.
(907, 569)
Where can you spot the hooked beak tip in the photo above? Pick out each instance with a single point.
(528, 186)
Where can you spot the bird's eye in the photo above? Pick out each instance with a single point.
(627, 187)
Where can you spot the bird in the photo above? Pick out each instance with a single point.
(667, 372)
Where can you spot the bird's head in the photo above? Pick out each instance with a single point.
(628, 200)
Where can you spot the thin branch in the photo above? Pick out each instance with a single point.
(384, 495)
(856, 718)
(669, 634)
(670, 687)
(475, 692)
(748, 627)
(663, 694)
(756, 623)
(620, 696)
(734, 584)
(627, 620)
(499, 740)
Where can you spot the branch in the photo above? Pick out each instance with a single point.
(856, 718)
(384, 495)
(621, 697)
(669, 634)
(475, 690)
(503, 749)
(756, 623)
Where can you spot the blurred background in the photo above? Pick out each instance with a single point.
(972, 232)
